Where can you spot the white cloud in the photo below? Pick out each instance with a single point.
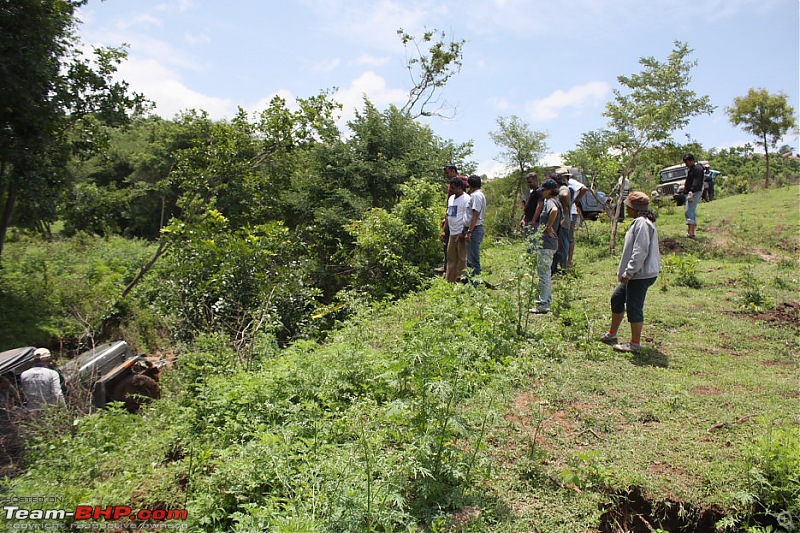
(163, 86)
(554, 159)
(328, 65)
(492, 169)
(579, 97)
(143, 19)
(196, 38)
(371, 61)
(501, 104)
(374, 87)
(373, 23)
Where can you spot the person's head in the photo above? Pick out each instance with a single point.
(533, 180)
(561, 179)
(688, 160)
(549, 188)
(474, 181)
(456, 186)
(450, 171)
(41, 356)
(638, 204)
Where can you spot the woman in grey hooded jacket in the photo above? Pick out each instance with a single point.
(638, 270)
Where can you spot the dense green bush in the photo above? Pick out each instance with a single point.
(395, 251)
(239, 281)
(64, 290)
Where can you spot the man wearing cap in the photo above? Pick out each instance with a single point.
(565, 198)
(475, 231)
(41, 385)
(549, 222)
(578, 190)
(693, 189)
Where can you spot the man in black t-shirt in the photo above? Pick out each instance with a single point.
(533, 205)
(693, 189)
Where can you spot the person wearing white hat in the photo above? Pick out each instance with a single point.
(41, 385)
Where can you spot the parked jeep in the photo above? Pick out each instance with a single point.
(671, 182)
(111, 372)
(593, 202)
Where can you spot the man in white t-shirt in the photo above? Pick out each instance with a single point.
(456, 223)
(41, 385)
(578, 190)
(475, 230)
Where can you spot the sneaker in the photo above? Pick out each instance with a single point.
(537, 311)
(627, 347)
(609, 339)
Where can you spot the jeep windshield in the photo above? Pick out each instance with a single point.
(673, 173)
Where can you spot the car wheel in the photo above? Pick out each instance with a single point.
(134, 391)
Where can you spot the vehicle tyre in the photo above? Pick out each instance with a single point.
(134, 391)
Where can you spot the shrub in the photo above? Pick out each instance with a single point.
(682, 270)
(775, 471)
(395, 251)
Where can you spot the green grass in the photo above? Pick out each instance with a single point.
(679, 418)
(450, 411)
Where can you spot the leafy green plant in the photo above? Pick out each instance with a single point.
(526, 281)
(775, 471)
(587, 471)
(682, 270)
(752, 295)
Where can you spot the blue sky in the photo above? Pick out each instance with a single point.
(552, 63)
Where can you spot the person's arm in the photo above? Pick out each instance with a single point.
(551, 220)
(55, 387)
(581, 192)
(537, 213)
(472, 223)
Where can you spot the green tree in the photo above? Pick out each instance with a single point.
(48, 90)
(594, 154)
(766, 116)
(522, 149)
(658, 102)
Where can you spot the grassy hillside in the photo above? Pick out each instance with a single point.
(456, 410)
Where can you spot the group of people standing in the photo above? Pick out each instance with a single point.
(462, 228)
(552, 210)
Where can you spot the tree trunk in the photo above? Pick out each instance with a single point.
(5, 219)
(517, 198)
(766, 153)
(135, 281)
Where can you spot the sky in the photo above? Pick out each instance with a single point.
(552, 63)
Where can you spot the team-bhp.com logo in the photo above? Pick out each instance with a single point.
(88, 513)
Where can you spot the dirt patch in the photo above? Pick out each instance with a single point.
(784, 313)
(632, 512)
(673, 246)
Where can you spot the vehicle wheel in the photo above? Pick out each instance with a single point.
(134, 391)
